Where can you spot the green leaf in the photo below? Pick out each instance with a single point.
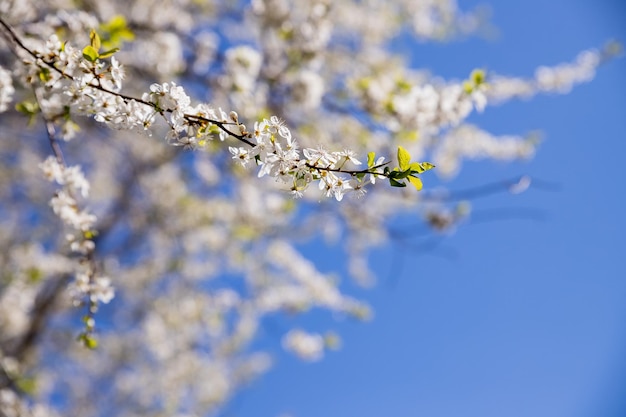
(90, 53)
(478, 76)
(427, 166)
(403, 85)
(90, 234)
(396, 174)
(395, 183)
(417, 183)
(29, 108)
(27, 385)
(91, 342)
(108, 53)
(94, 40)
(371, 157)
(468, 87)
(404, 158)
(88, 341)
(408, 135)
(44, 75)
(117, 23)
(416, 167)
(115, 32)
(419, 167)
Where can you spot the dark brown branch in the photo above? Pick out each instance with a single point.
(44, 303)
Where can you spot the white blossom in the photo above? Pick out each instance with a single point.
(6, 89)
(307, 346)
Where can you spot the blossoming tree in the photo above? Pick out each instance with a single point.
(162, 161)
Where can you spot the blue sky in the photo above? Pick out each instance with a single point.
(519, 318)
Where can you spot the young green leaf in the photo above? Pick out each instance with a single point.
(27, 107)
(478, 76)
(90, 53)
(115, 32)
(371, 157)
(395, 183)
(108, 53)
(419, 167)
(399, 175)
(44, 75)
(26, 385)
(427, 166)
(88, 341)
(94, 40)
(417, 183)
(404, 158)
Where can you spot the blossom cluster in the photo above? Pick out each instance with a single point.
(64, 204)
(557, 79)
(409, 104)
(94, 90)
(274, 149)
(470, 142)
(279, 157)
(73, 84)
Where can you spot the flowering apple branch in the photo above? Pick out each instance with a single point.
(96, 91)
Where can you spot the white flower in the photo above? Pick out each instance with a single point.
(101, 290)
(72, 177)
(340, 187)
(79, 288)
(117, 73)
(349, 155)
(61, 203)
(170, 96)
(372, 177)
(307, 346)
(319, 157)
(241, 154)
(243, 64)
(65, 207)
(296, 193)
(97, 288)
(52, 170)
(359, 187)
(6, 89)
(307, 89)
(75, 180)
(334, 185)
